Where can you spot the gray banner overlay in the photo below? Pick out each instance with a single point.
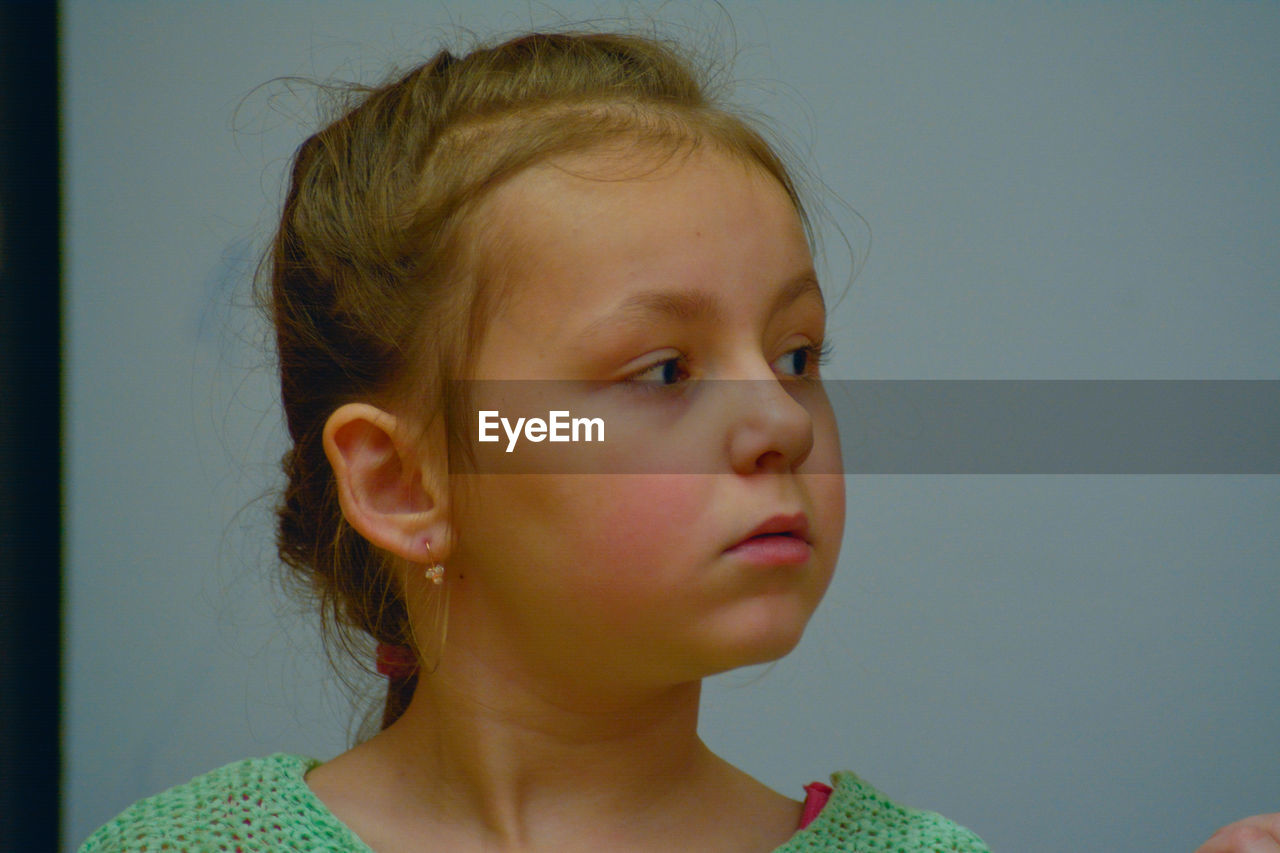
(1059, 427)
(884, 426)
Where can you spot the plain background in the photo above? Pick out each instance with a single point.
(1052, 191)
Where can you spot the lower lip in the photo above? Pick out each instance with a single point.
(772, 550)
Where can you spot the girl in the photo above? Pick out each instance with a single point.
(577, 209)
(553, 208)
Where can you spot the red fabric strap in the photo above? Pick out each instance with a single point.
(816, 796)
(396, 662)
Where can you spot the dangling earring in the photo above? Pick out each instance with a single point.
(436, 610)
(434, 571)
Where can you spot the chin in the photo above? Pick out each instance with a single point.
(767, 641)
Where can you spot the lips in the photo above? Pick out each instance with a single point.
(781, 540)
(795, 525)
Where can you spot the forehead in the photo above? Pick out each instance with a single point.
(568, 238)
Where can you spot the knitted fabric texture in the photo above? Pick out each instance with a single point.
(264, 804)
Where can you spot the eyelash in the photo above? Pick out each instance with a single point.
(816, 355)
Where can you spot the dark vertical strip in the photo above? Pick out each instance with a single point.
(30, 404)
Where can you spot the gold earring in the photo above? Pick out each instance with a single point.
(435, 615)
(434, 571)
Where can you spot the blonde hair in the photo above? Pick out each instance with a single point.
(374, 287)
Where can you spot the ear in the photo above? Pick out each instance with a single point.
(386, 490)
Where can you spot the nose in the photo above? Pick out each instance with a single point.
(771, 430)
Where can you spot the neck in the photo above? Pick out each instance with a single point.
(498, 738)
(483, 761)
(529, 762)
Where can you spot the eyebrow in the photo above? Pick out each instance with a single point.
(805, 284)
(687, 305)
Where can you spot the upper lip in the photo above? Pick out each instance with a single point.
(795, 524)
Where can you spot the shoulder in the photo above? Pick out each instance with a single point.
(858, 818)
(259, 804)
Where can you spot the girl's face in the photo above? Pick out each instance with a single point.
(676, 300)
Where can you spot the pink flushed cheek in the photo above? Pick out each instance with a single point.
(650, 525)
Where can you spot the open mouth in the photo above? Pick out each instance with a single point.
(766, 536)
(780, 540)
(792, 526)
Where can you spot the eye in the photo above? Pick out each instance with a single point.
(803, 362)
(669, 371)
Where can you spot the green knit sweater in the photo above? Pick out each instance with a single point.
(263, 804)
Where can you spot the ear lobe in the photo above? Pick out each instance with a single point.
(380, 482)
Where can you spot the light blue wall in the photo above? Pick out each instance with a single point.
(1053, 191)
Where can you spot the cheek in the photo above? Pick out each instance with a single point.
(828, 493)
(638, 531)
(825, 482)
(585, 534)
